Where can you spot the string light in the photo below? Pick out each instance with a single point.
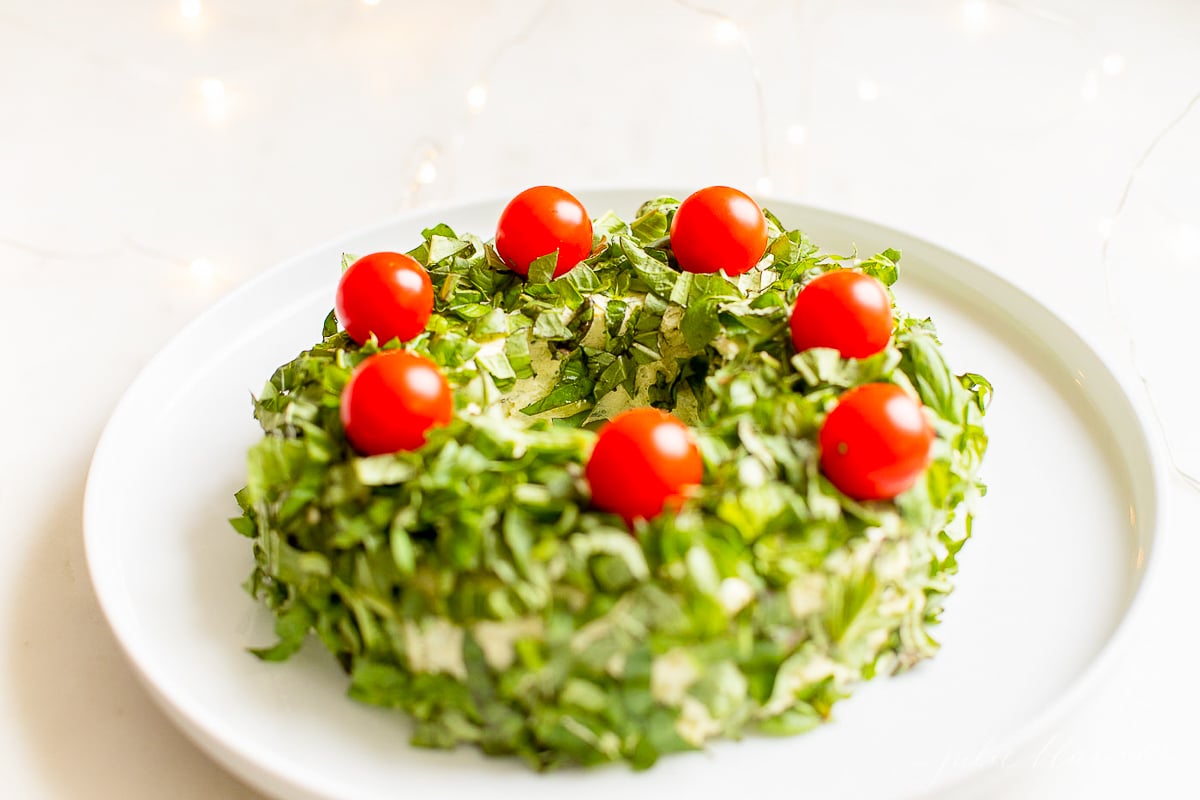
(426, 171)
(975, 15)
(1122, 316)
(370, 2)
(190, 9)
(1113, 64)
(216, 101)
(1187, 242)
(726, 32)
(477, 98)
(764, 185)
(868, 90)
(1104, 228)
(796, 134)
(213, 90)
(1091, 86)
(202, 270)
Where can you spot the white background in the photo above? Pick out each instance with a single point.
(155, 154)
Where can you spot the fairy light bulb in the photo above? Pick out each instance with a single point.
(202, 270)
(975, 16)
(868, 90)
(1091, 87)
(1187, 242)
(477, 97)
(216, 100)
(190, 9)
(726, 32)
(796, 134)
(427, 171)
(1113, 64)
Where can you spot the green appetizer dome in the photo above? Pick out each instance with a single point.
(609, 490)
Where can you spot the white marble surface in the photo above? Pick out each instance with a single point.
(154, 154)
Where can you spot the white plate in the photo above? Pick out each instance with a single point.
(1060, 551)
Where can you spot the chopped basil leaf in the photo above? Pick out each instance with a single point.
(470, 583)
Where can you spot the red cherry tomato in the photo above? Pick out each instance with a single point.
(392, 400)
(845, 310)
(644, 460)
(718, 228)
(540, 221)
(875, 442)
(388, 294)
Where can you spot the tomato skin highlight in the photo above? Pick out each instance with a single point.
(388, 294)
(876, 442)
(644, 460)
(845, 310)
(392, 400)
(718, 228)
(539, 221)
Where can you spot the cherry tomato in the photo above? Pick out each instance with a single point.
(845, 310)
(643, 461)
(392, 400)
(388, 294)
(875, 442)
(718, 228)
(540, 221)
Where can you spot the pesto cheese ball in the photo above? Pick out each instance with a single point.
(473, 583)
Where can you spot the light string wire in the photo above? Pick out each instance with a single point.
(429, 153)
(760, 95)
(1115, 309)
(476, 94)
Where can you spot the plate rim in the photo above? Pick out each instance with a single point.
(252, 769)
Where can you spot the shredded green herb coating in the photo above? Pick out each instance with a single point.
(470, 584)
